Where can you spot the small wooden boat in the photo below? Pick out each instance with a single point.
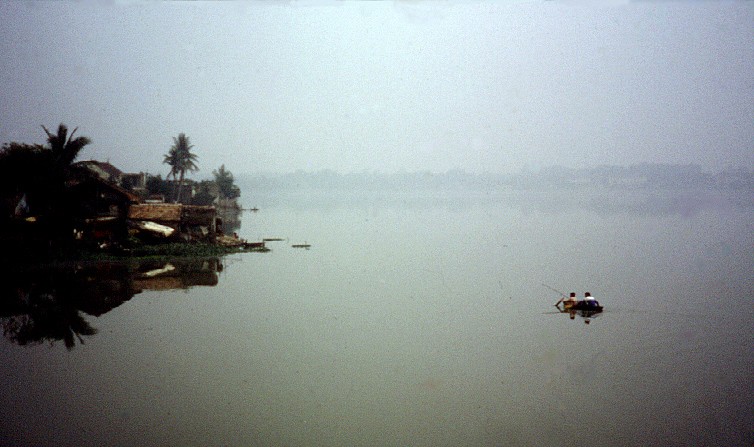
(154, 228)
(301, 246)
(586, 305)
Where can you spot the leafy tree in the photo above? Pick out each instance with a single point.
(224, 180)
(39, 172)
(23, 171)
(180, 159)
(37, 175)
(204, 196)
(157, 186)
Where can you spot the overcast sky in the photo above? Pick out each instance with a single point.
(483, 87)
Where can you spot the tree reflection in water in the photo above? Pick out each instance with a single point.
(47, 320)
(46, 305)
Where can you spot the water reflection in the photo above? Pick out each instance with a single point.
(586, 315)
(49, 305)
(587, 309)
(231, 220)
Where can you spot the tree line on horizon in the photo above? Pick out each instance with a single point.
(638, 176)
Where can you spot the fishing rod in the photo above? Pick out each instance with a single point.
(557, 291)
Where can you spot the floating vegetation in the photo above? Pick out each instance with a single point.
(177, 249)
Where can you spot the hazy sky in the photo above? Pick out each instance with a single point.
(354, 87)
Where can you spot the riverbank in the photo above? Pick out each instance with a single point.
(171, 250)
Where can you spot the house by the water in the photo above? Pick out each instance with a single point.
(99, 208)
(103, 206)
(108, 206)
(187, 222)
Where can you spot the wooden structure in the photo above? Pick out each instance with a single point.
(98, 208)
(189, 222)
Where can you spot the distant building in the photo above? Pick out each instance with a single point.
(135, 182)
(188, 189)
(103, 169)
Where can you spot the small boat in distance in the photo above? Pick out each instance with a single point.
(587, 308)
(306, 246)
(587, 304)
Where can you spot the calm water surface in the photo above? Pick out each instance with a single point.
(416, 319)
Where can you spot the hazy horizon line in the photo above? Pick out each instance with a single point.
(525, 170)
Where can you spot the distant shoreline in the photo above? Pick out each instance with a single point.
(636, 177)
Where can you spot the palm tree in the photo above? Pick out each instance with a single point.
(171, 159)
(65, 151)
(181, 159)
(36, 175)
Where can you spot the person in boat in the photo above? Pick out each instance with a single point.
(590, 301)
(568, 302)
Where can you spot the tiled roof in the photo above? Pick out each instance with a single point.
(165, 212)
(76, 181)
(105, 167)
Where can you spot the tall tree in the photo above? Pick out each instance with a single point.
(171, 159)
(181, 159)
(225, 186)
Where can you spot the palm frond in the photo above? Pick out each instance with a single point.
(70, 137)
(64, 147)
(49, 135)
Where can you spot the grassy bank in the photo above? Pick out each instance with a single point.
(168, 250)
(136, 252)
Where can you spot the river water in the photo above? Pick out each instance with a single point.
(420, 319)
